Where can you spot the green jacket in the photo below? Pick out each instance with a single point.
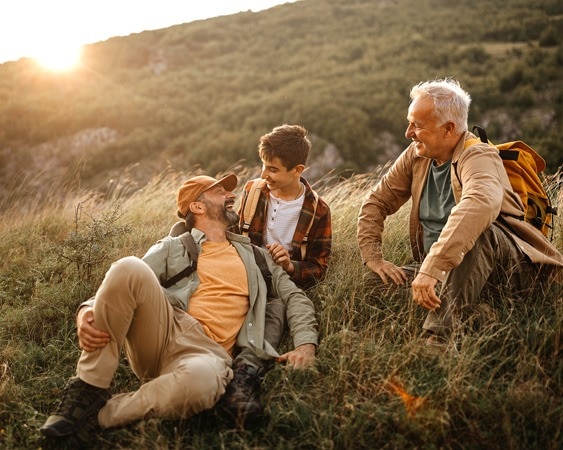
(169, 256)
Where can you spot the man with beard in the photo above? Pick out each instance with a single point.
(179, 340)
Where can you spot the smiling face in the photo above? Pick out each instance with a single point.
(219, 204)
(432, 139)
(278, 177)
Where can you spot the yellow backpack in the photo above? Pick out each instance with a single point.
(523, 164)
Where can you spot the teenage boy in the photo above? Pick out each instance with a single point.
(282, 213)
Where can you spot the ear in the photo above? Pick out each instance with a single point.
(299, 168)
(197, 207)
(450, 128)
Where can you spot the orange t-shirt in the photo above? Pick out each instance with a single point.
(220, 303)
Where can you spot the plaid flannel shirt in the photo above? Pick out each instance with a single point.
(313, 268)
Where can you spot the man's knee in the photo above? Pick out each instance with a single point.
(126, 273)
(200, 382)
(127, 267)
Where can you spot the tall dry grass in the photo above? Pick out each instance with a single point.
(374, 385)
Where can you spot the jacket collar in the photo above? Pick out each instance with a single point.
(200, 237)
(461, 146)
(235, 237)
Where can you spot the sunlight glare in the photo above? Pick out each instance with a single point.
(59, 57)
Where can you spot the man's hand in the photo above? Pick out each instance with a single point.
(281, 257)
(424, 293)
(89, 337)
(299, 358)
(388, 271)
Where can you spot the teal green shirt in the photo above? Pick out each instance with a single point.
(436, 203)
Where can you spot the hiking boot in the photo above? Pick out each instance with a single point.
(80, 403)
(87, 434)
(241, 397)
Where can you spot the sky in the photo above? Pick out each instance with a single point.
(47, 28)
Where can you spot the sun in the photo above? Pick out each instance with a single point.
(59, 58)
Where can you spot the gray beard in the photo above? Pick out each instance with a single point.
(231, 217)
(228, 217)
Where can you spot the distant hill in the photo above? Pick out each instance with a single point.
(201, 94)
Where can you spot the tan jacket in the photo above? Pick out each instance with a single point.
(482, 193)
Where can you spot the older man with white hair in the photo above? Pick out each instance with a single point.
(467, 226)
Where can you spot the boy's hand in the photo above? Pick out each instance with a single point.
(281, 257)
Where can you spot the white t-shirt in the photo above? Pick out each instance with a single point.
(282, 220)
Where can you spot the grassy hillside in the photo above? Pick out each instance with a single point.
(374, 385)
(201, 94)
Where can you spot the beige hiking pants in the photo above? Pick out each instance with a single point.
(183, 371)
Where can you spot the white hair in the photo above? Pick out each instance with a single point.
(451, 102)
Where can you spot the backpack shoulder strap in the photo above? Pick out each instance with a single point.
(481, 137)
(263, 266)
(481, 134)
(250, 204)
(189, 243)
(306, 237)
